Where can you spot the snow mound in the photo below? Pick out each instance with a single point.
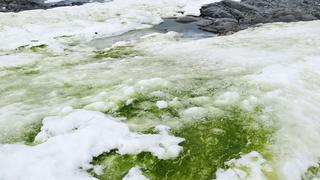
(70, 142)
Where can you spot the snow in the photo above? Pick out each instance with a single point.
(147, 85)
(275, 66)
(227, 98)
(135, 174)
(162, 104)
(250, 166)
(17, 60)
(69, 142)
(88, 21)
(194, 113)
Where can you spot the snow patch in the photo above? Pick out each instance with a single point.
(135, 174)
(70, 142)
(250, 167)
(17, 60)
(162, 104)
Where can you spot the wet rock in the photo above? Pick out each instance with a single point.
(187, 26)
(187, 19)
(231, 16)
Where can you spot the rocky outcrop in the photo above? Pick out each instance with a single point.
(21, 5)
(231, 16)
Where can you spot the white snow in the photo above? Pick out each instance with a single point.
(249, 166)
(194, 113)
(228, 98)
(82, 22)
(135, 174)
(147, 85)
(162, 104)
(17, 60)
(69, 143)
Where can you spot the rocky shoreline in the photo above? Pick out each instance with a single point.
(230, 16)
(22, 5)
(221, 18)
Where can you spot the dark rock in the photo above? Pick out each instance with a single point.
(231, 16)
(21, 5)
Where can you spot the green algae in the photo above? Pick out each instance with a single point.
(27, 70)
(74, 43)
(29, 132)
(36, 48)
(142, 105)
(208, 145)
(79, 90)
(39, 48)
(117, 52)
(63, 37)
(313, 172)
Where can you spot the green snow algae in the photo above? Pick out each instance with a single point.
(117, 52)
(208, 145)
(313, 172)
(142, 106)
(30, 131)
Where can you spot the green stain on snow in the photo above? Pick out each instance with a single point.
(74, 43)
(313, 172)
(208, 145)
(39, 48)
(79, 90)
(141, 106)
(29, 132)
(36, 48)
(27, 70)
(117, 52)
